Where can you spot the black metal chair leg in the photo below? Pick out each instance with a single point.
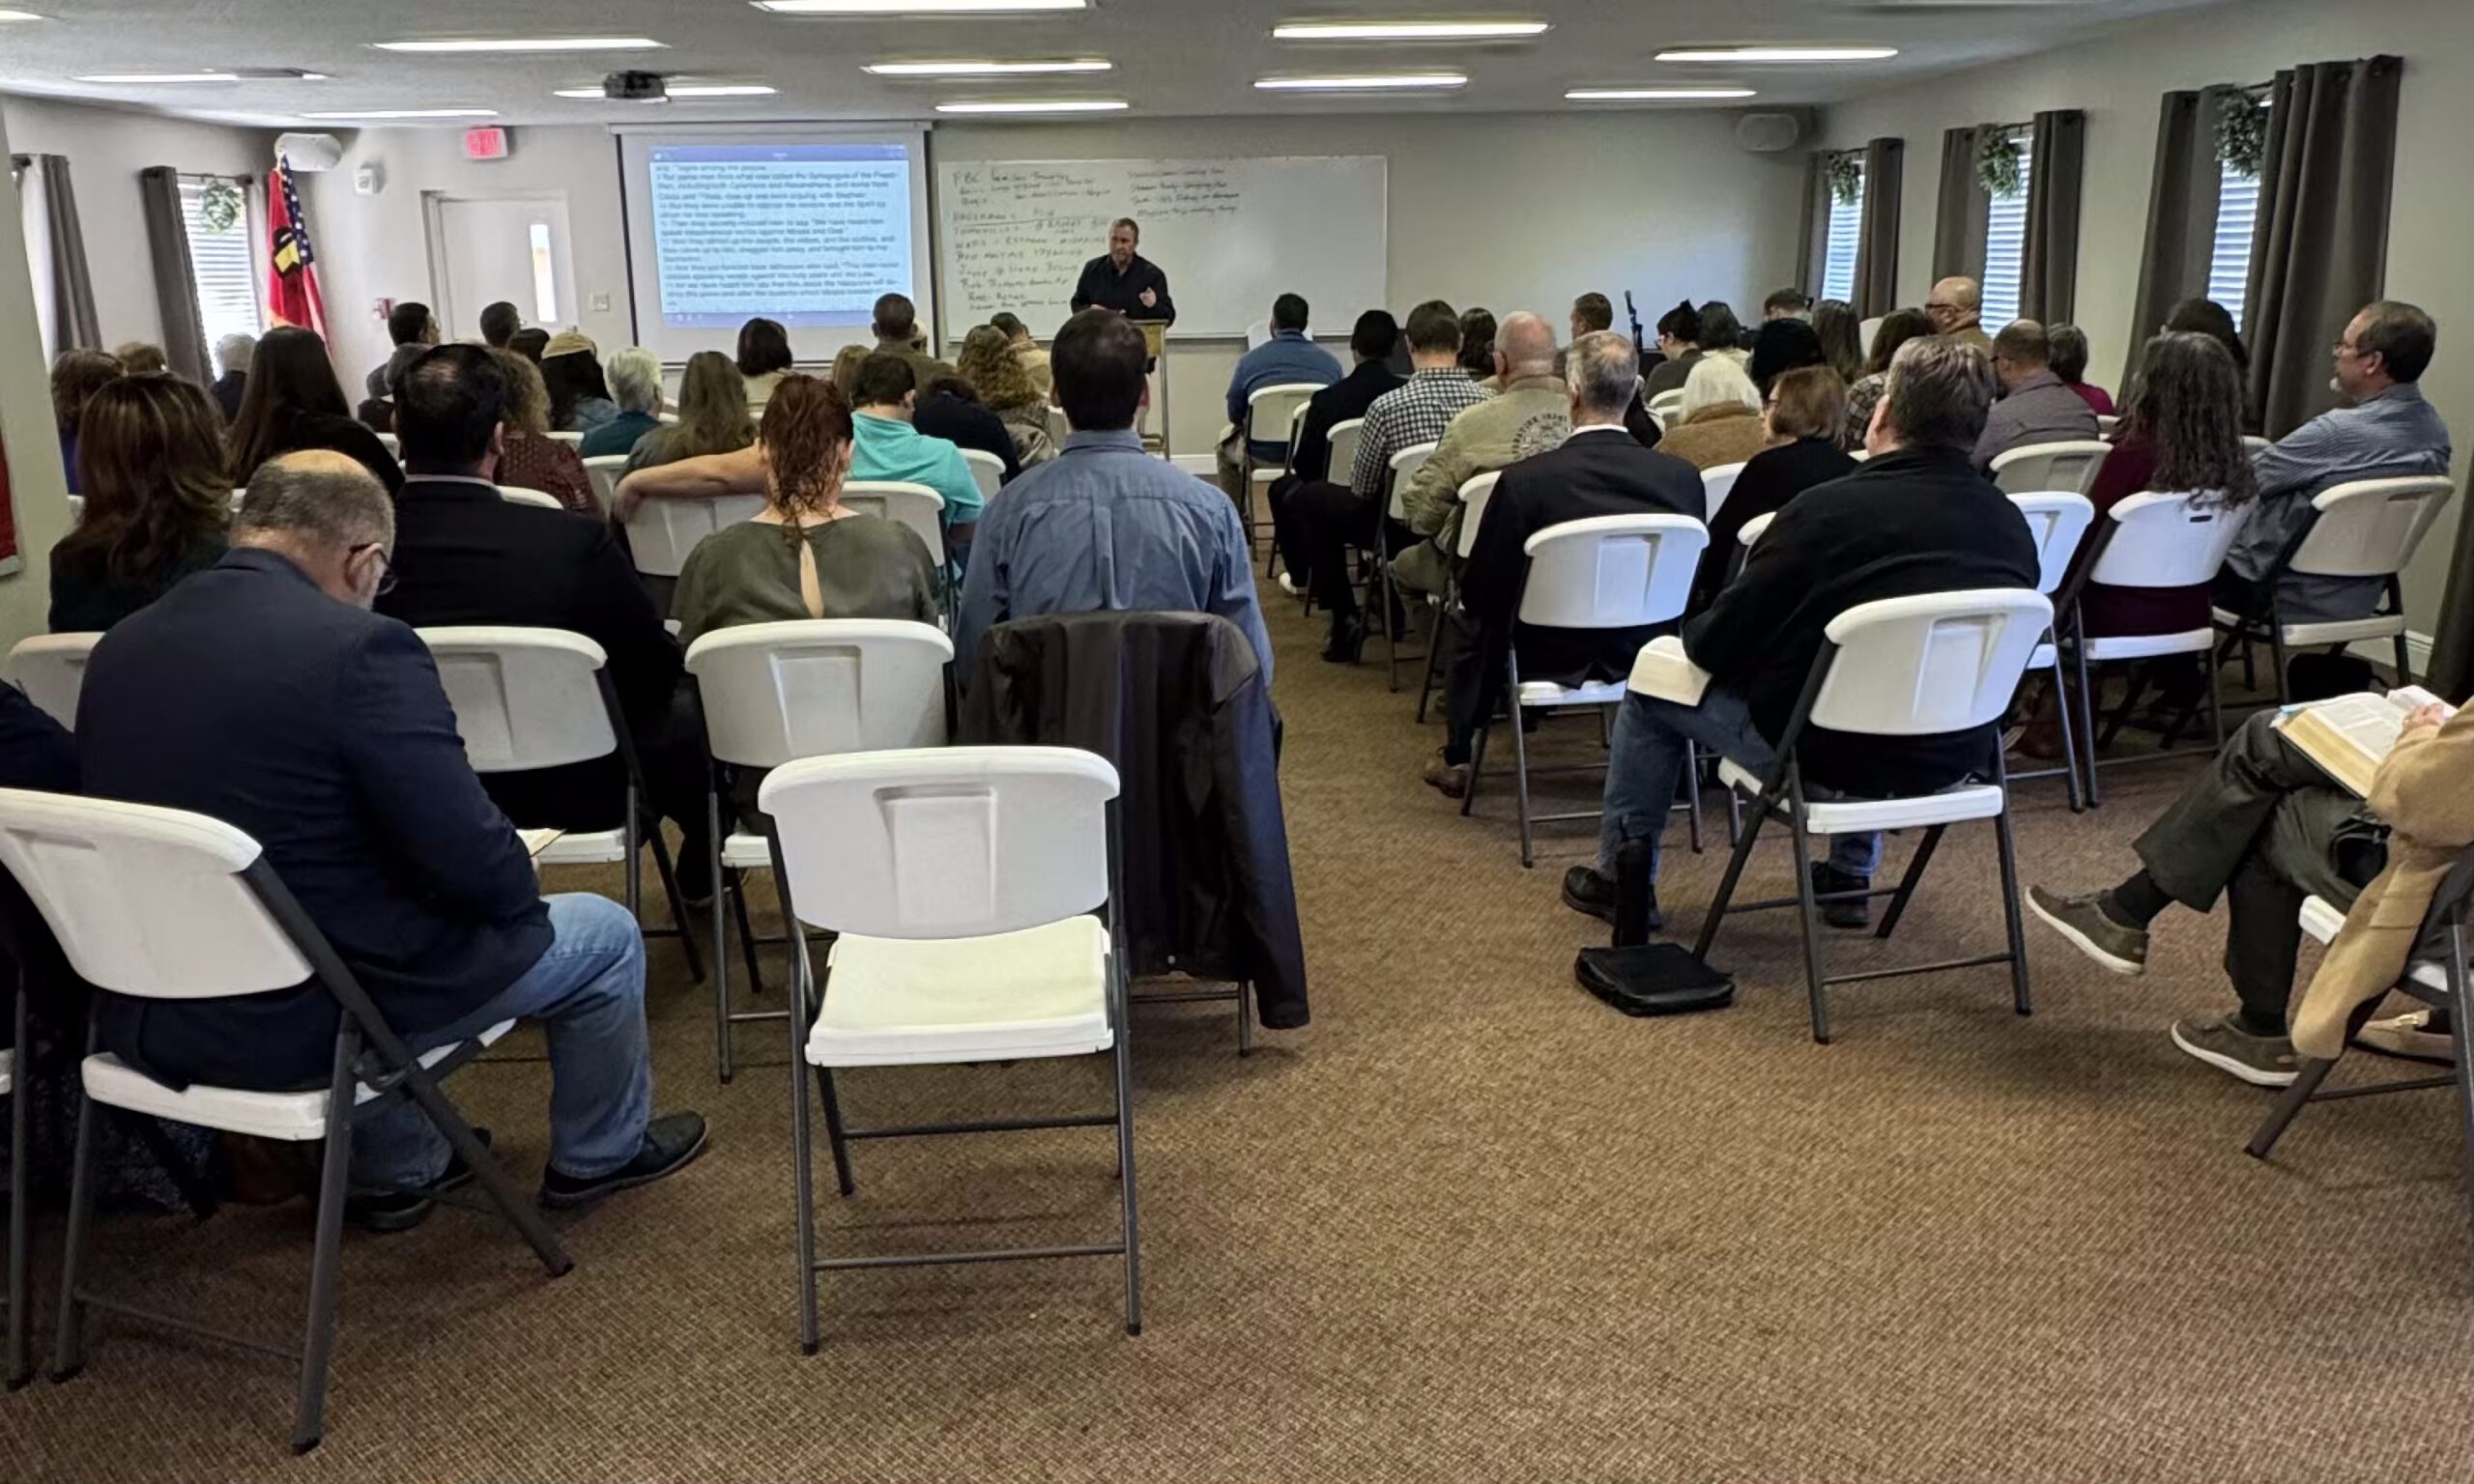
(68, 1338)
(1691, 788)
(1520, 777)
(725, 884)
(1809, 911)
(1907, 882)
(1744, 841)
(747, 937)
(2288, 1104)
(667, 869)
(1130, 1230)
(2017, 929)
(802, 1161)
(325, 1251)
(1476, 768)
(20, 1192)
(835, 1139)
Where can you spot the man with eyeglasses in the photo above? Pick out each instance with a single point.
(1956, 309)
(263, 692)
(2384, 429)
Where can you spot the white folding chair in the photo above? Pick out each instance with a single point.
(388, 441)
(1749, 533)
(76, 508)
(1258, 334)
(1343, 442)
(986, 471)
(163, 904)
(663, 532)
(2365, 528)
(773, 693)
(604, 470)
(1272, 414)
(2059, 520)
(962, 884)
(531, 699)
(1460, 536)
(1914, 667)
(1867, 330)
(2106, 424)
(2151, 541)
(1668, 405)
(2255, 446)
(1717, 484)
(515, 495)
(904, 503)
(570, 438)
(1059, 427)
(1381, 594)
(2069, 464)
(1604, 572)
(51, 669)
(2441, 984)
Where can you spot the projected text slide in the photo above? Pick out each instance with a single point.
(809, 235)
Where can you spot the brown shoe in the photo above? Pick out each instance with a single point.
(1451, 778)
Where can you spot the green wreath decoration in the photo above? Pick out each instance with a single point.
(2242, 136)
(1845, 177)
(218, 207)
(1997, 166)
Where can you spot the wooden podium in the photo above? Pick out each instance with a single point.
(1155, 342)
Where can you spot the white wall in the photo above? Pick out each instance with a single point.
(106, 148)
(2118, 78)
(37, 490)
(1513, 211)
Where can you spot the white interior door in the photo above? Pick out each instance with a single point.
(487, 248)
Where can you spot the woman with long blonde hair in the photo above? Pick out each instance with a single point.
(712, 415)
(990, 362)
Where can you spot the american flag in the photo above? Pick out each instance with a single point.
(292, 272)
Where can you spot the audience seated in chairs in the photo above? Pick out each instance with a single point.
(159, 498)
(1915, 519)
(1035, 360)
(1722, 421)
(294, 402)
(232, 355)
(464, 556)
(2069, 347)
(580, 399)
(530, 342)
(322, 730)
(1956, 307)
(1842, 342)
(1723, 336)
(1106, 526)
(2036, 406)
(1329, 519)
(806, 555)
(949, 409)
(414, 329)
(1787, 305)
(897, 335)
(1897, 328)
(528, 458)
(1287, 359)
(1372, 341)
(1531, 413)
(500, 322)
(75, 377)
(1598, 471)
(1678, 331)
(995, 370)
(635, 390)
(763, 359)
(712, 415)
(1801, 417)
(2264, 828)
(1782, 345)
(141, 357)
(1478, 348)
(2385, 429)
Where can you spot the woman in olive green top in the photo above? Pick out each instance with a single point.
(805, 557)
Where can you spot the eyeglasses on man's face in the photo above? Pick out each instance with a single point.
(385, 567)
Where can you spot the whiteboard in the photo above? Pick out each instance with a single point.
(1231, 235)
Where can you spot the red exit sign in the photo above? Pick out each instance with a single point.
(485, 143)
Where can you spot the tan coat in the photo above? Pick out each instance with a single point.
(2421, 791)
(1529, 416)
(1714, 437)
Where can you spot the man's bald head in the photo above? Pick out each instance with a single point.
(325, 513)
(1525, 346)
(1956, 303)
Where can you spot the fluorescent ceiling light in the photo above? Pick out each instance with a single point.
(1040, 105)
(1778, 54)
(913, 7)
(9, 16)
(985, 68)
(153, 78)
(1407, 30)
(1370, 83)
(529, 44)
(409, 113)
(689, 90)
(1654, 95)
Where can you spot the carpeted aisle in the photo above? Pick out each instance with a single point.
(1471, 1225)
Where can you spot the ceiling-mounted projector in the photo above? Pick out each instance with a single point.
(636, 88)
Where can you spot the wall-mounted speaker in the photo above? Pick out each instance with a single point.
(311, 152)
(1768, 134)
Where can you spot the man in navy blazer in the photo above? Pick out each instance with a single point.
(263, 693)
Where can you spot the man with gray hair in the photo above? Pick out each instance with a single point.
(1531, 413)
(232, 356)
(321, 729)
(1915, 518)
(2036, 406)
(635, 384)
(1599, 469)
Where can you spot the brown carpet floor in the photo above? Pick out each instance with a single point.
(1471, 1225)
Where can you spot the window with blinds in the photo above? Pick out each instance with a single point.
(2237, 219)
(2005, 245)
(223, 266)
(1846, 225)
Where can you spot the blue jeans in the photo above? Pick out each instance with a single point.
(588, 992)
(1646, 763)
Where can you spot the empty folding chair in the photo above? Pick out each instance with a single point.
(531, 699)
(604, 470)
(1381, 593)
(2070, 465)
(1915, 667)
(51, 669)
(1270, 417)
(962, 884)
(1717, 484)
(1604, 572)
(2367, 528)
(163, 904)
(661, 533)
(1462, 538)
(775, 693)
(2154, 541)
(516, 496)
(2059, 520)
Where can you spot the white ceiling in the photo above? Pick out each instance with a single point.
(1174, 57)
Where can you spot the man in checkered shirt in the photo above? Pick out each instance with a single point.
(1330, 518)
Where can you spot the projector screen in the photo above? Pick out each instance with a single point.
(796, 223)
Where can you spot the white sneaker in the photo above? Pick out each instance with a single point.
(1288, 583)
(2411, 1037)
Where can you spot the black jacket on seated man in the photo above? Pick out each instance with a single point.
(464, 556)
(1343, 401)
(248, 694)
(1906, 523)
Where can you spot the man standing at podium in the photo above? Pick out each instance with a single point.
(1124, 281)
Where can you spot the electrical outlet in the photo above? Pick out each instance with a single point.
(601, 303)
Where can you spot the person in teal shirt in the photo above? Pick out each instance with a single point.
(887, 448)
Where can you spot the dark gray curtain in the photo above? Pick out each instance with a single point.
(2452, 667)
(2181, 216)
(2322, 244)
(1813, 246)
(1876, 236)
(167, 235)
(1959, 219)
(2049, 277)
(67, 292)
